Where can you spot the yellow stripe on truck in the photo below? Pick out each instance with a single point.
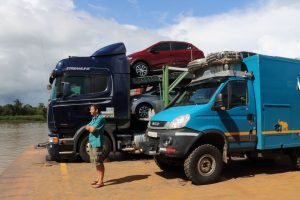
(280, 132)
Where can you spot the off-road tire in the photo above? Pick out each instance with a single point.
(224, 57)
(84, 155)
(295, 159)
(204, 154)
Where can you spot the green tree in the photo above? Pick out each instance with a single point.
(17, 108)
(28, 110)
(42, 110)
(8, 109)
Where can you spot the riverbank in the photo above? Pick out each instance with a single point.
(22, 118)
(31, 177)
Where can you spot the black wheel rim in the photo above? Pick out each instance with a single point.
(143, 111)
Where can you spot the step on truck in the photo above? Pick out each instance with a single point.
(104, 79)
(239, 104)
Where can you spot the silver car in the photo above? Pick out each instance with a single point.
(152, 99)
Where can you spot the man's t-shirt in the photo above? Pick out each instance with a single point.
(96, 138)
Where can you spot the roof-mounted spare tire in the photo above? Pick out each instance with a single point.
(220, 58)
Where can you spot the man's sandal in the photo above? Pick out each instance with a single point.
(94, 182)
(98, 185)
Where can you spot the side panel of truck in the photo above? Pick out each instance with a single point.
(277, 100)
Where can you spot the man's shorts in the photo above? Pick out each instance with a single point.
(96, 156)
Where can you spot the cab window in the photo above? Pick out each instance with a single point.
(235, 94)
(80, 84)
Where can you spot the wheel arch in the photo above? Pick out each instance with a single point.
(214, 137)
(81, 132)
(140, 60)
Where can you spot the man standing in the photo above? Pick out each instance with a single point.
(96, 129)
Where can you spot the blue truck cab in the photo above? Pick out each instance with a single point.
(78, 82)
(250, 107)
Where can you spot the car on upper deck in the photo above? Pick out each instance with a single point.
(153, 58)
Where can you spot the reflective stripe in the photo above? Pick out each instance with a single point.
(228, 134)
(185, 134)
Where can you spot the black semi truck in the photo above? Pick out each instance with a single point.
(104, 79)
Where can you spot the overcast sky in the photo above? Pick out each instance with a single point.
(36, 34)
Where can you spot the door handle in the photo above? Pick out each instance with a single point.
(250, 118)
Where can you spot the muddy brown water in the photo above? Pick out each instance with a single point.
(16, 137)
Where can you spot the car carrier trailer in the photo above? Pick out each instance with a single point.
(103, 78)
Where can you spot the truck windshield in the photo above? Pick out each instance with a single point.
(197, 94)
(80, 84)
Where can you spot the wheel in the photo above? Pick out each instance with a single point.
(164, 163)
(142, 110)
(224, 57)
(141, 69)
(84, 150)
(204, 165)
(295, 158)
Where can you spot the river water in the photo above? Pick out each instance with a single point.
(16, 137)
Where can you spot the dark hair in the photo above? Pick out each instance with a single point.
(97, 107)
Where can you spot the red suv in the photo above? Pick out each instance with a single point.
(171, 53)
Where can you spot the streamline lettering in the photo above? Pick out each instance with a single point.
(78, 68)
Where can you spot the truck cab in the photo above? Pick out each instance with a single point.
(77, 82)
(236, 105)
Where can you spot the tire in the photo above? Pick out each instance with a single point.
(141, 69)
(224, 57)
(164, 163)
(142, 110)
(204, 165)
(84, 151)
(295, 159)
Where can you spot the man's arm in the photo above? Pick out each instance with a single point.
(90, 129)
(97, 125)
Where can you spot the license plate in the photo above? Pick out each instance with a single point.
(153, 153)
(152, 134)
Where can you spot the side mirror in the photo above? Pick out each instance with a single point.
(66, 89)
(49, 87)
(219, 104)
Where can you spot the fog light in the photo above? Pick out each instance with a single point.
(167, 141)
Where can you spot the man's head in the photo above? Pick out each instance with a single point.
(94, 109)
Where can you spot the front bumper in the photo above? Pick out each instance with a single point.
(171, 143)
(60, 148)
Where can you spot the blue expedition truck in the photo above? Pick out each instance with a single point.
(236, 105)
(78, 82)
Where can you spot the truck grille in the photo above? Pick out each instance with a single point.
(157, 123)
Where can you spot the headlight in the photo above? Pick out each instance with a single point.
(179, 122)
(135, 99)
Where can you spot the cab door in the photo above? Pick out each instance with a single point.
(86, 89)
(238, 115)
